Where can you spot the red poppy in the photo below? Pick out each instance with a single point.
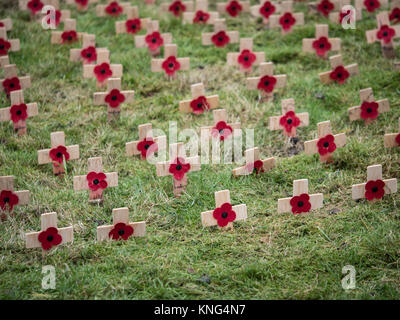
(83, 3)
(267, 9)
(49, 238)
(233, 8)
(19, 112)
(8, 199)
(300, 203)
(221, 130)
(171, 65)
(224, 214)
(321, 46)
(374, 189)
(69, 36)
(267, 83)
(179, 168)
(154, 40)
(343, 14)
(177, 7)
(11, 84)
(385, 33)
(147, 147)
(102, 72)
(58, 154)
(395, 15)
(114, 9)
(246, 58)
(289, 121)
(340, 74)
(398, 139)
(35, 6)
(121, 231)
(133, 25)
(1, 24)
(115, 98)
(372, 5)
(257, 166)
(201, 17)
(326, 145)
(220, 39)
(57, 17)
(96, 180)
(4, 47)
(89, 54)
(369, 110)
(325, 7)
(287, 21)
(199, 104)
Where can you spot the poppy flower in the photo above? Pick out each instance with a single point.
(96, 180)
(224, 214)
(171, 65)
(82, 3)
(369, 110)
(49, 238)
(102, 72)
(220, 39)
(179, 168)
(321, 46)
(233, 8)
(19, 112)
(246, 58)
(267, 83)
(221, 130)
(154, 40)
(289, 121)
(4, 47)
(395, 15)
(255, 166)
(325, 7)
(326, 145)
(300, 203)
(201, 17)
(177, 7)
(2, 24)
(121, 231)
(133, 25)
(372, 5)
(57, 17)
(343, 14)
(58, 154)
(340, 74)
(374, 189)
(147, 147)
(398, 139)
(199, 104)
(267, 9)
(385, 33)
(35, 6)
(8, 199)
(287, 21)
(114, 9)
(89, 54)
(115, 98)
(69, 36)
(11, 84)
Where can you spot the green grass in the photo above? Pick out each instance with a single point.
(270, 256)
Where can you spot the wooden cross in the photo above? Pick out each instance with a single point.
(369, 109)
(265, 9)
(69, 35)
(88, 53)
(113, 98)
(392, 139)
(267, 82)
(178, 166)
(133, 24)
(375, 188)
(199, 102)
(371, 5)
(220, 37)
(224, 214)
(10, 198)
(95, 181)
(6, 23)
(170, 64)
(233, 7)
(289, 120)
(18, 112)
(112, 8)
(50, 235)
(201, 14)
(81, 5)
(153, 40)
(254, 163)
(301, 202)
(321, 44)
(342, 12)
(221, 129)
(246, 58)
(121, 227)
(326, 143)
(12, 82)
(147, 144)
(286, 19)
(394, 15)
(7, 45)
(177, 7)
(339, 72)
(59, 153)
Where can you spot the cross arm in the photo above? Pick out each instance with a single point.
(358, 190)
(208, 220)
(308, 44)
(139, 230)
(44, 155)
(81, 183)
(32, 109)
(252, 82)
(189, 16)
(56, 37)
(232, 58)
(355, 112)
(99, 97)
(268, 164)
(310, 147)
(132, 150)
(325, 76)
(212, 100)
(316, 201)
(140, 41)
(32, 238)
(274, 122)
(101, 8)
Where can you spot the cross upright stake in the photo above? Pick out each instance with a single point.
(344, 12)
(339, 72)
(4, 61)
(246, 58)
(7, 45)
(68, 36)
(133, 24)
(392, 139)
(221, 128)
(265, 9)
(170, 64)
(88, 53)
(59, 153)
(220, 37)
(287, 19)
(201, 15)
(81, 5)
(112, 9)
(10, 198)
(153, 40)
(6, 23)
(199, 102)
(177, 7)
(254, 164)
(233, 8)
(321, 44)
(12, 82)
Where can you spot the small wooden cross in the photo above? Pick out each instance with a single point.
(265, 9)
(153, 40)
(199, 102)
(233, 7)
(6, 23)
(375, 188)
(12, 82)
(394, 15)
(113, 8)
(245, 59)
(286, 19)
(18, 112)
(221, 129)
(220, 37)
(254, 163)
(7, 45)
(321, 44)
(81, 5)
(133, 24)
(371, 5)
(10, 198)
(341, 12)
(201, 14)
(59, 153)
(369, 109)
(68, 36)
(339, 72)
(392, 139)
(50, 235)
(178, 166)
(326, 143)
(289, 120)
(267, 82)
(121, 227)
(177, 7)
(147, 145)
(301, 202)
(224, 214)
(88, 53)
(95, 181)
(170, 64)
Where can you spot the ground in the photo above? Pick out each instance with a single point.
(269, 256)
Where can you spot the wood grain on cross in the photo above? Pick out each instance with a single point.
(222, 7)
(153, 29)
(392, 139)
(245, 59)
(101, 8)
(287, 19)
(8, 45)
(11, 73)
(199, 102)
(10, 198)
(265, 9)
(171, 64)
(337, 64)
(69, 25)
(81, 6)
(343, 9)
(200, 14)
(219, 26)
(6, 23)
(129, 25)
(321, 44)
(88, 52)
(254, 163)
(220, 124)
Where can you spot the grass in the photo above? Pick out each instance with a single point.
(270, 256)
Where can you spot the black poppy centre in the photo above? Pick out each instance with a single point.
(11, 85)
(321, 45)
(266, 83)
(220, 39)
(6, 199)
(59, 154)
(300, 204)
(147, 146)
(287, 21)
(375, 189)
(50, 238)
(171, 65)
(96, 181)
(121, 232)
(199, 105)
(369, 110)
(178, 167)
(154, 40)
(246, 58)
(326, 144)
(339, 75)
(1, 46)
(289, 121)
(224, 215)
(103, 71)
(19, 112)
(385, 34)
